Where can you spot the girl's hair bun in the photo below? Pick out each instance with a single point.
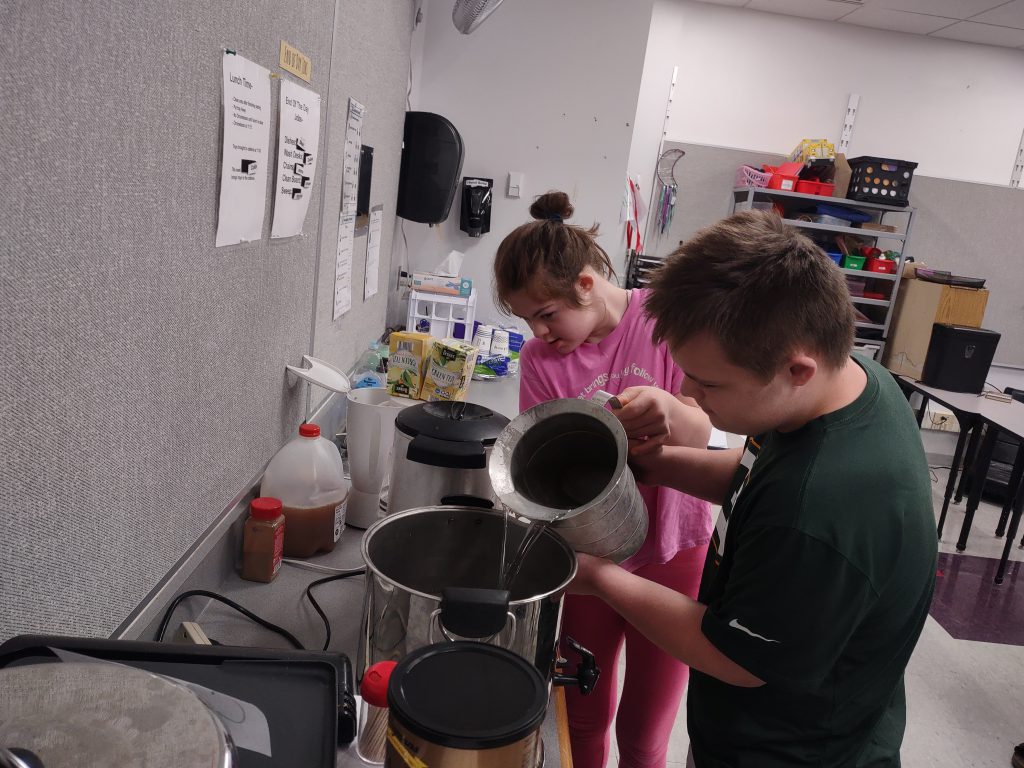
(553, 206)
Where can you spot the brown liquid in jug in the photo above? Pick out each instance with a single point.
(309, 530)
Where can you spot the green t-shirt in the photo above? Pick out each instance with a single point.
(818, 581)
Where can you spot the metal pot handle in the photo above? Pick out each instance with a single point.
(435, 618)
(473, 613)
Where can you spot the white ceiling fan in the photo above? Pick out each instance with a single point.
(467, 15)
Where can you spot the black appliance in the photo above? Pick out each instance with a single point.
(959, 357)
(365, 174)
(475, 215)
(432, 153)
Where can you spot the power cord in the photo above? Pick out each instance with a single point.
(316, 606)
(296, 563)
(231, 604)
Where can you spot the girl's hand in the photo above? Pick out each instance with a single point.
(588, 574)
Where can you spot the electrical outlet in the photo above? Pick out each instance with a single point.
(944, 421)
(191, 633)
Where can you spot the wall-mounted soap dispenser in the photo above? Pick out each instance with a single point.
(475, 218)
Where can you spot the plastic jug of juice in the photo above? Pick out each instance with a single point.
(307, 476)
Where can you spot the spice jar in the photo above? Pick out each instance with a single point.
(263, 540)
(373, 714)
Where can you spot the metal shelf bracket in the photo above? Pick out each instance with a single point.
(851, 115)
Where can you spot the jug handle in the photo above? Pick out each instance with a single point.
(587, 671)
(435, 618)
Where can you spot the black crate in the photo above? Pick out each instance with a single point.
(878, 180)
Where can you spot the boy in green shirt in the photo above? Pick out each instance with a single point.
(821, 568)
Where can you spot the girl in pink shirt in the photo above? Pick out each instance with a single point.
(590, 334)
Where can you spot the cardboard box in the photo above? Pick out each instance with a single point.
(878, 227)
(841, 176)
(447, 286)
(407, 362)
(813, 149)
(921, 304)
(449, 370)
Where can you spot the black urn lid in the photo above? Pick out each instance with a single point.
(467, 695)
(453, 421)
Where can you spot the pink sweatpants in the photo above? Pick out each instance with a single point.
(654, 681)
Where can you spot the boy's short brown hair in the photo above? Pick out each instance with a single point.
(760, 287)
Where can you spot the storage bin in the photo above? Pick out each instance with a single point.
(879, 180)
(751, 177)
(853, 262)
(848, 215)
(783, 182)
(856, 285)
(887, 266)
(836, 256)
(832, 221)
(809, 187)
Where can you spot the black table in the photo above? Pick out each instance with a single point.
(967, 409)
(978, 415)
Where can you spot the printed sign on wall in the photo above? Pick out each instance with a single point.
(298, 139)
(245, 154)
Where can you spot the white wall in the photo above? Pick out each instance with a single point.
(761, 81)
(545, 88)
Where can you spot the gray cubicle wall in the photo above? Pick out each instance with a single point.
(142, 381)
(966, 228)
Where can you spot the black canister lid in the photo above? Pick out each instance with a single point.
(456, 422)
(467, 695)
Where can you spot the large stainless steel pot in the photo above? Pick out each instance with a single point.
(440, 455)
(564, 462)
(432, 574)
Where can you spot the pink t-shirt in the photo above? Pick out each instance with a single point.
(625, 358)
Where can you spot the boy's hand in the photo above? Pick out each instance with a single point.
(646, 415)
(646, 461)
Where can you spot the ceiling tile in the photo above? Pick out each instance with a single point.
(953, 9)
(897, 21)
(1009, 15)
(985, 34)
(829, 10)
(726, 2)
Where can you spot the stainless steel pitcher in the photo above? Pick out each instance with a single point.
(564, 462)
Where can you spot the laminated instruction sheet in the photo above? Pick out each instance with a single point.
(245, 156)
(347, 219)
(298, 139)
(370, 277)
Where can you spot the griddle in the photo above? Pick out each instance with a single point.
(305, 695)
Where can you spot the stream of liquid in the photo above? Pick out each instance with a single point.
(509, 570)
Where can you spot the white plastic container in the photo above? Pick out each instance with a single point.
(308, 477)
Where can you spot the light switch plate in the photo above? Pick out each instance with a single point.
(515, 184)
